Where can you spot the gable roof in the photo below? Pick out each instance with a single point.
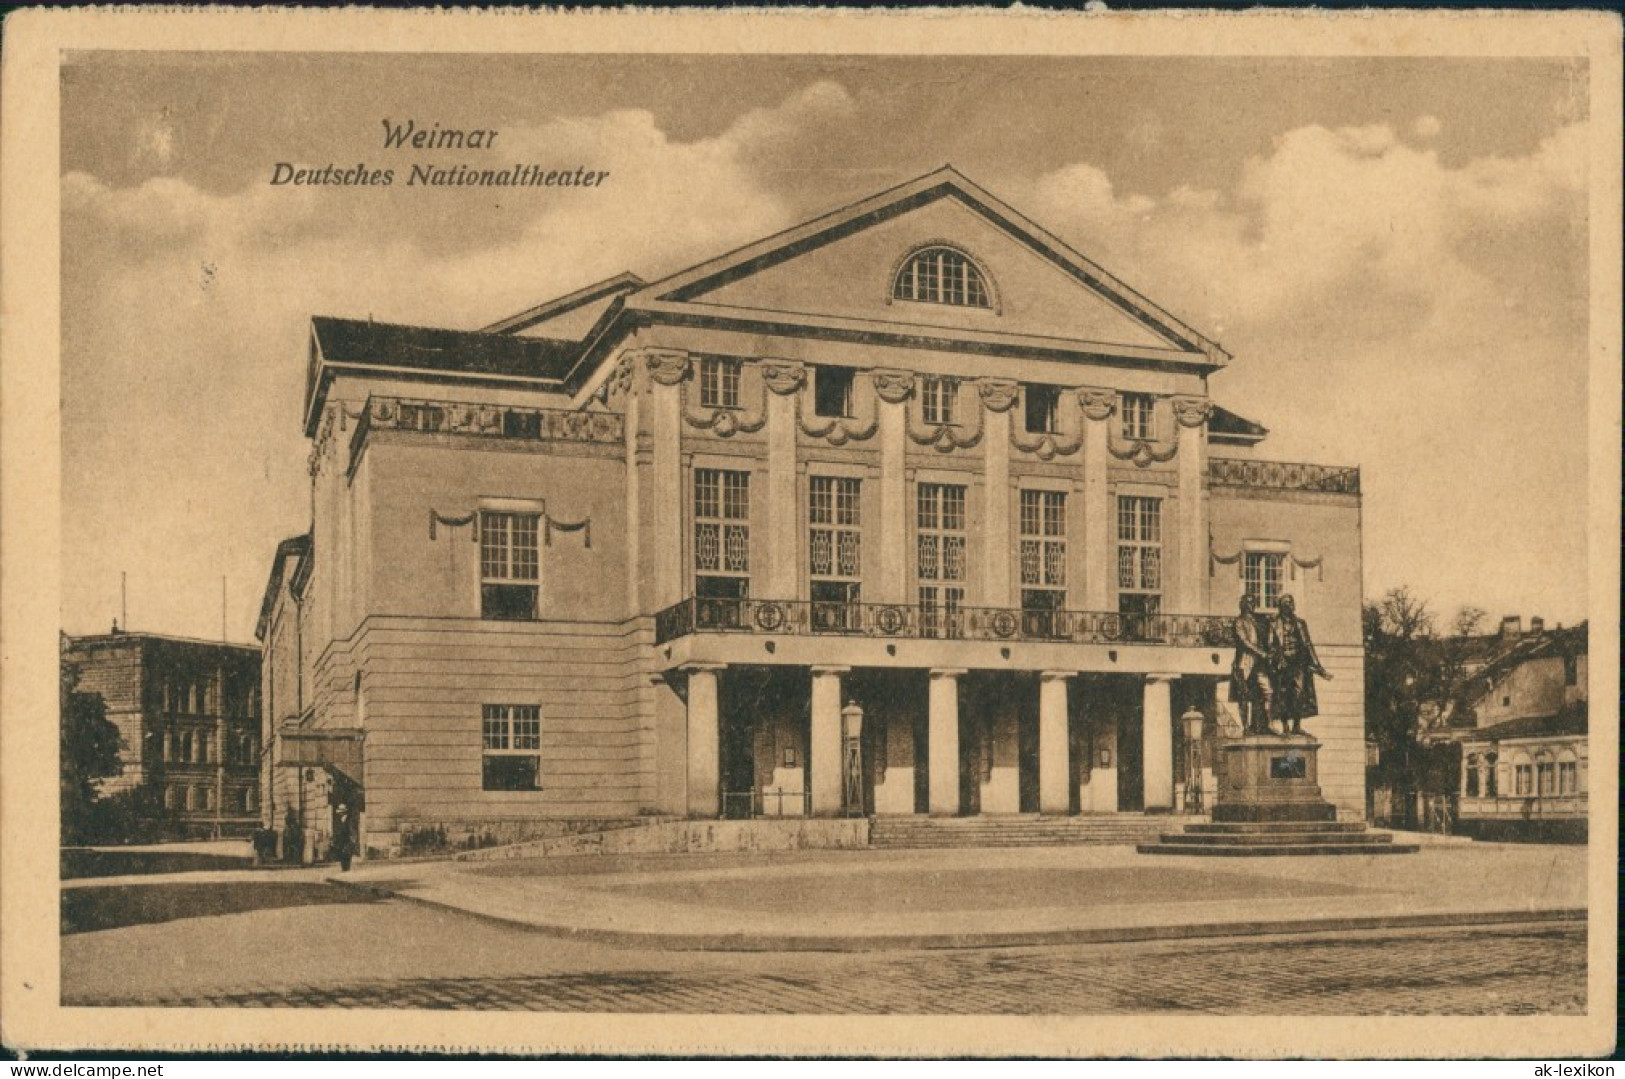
(666, 298)
(620, 284)
(1226, 426)
(1572, 719)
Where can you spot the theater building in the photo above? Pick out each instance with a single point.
(640, 549)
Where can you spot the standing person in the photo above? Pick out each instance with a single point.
(1249, 670)
(1294, 664)
(343, 846)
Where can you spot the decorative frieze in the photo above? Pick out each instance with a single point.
(1047, 446)
(726, 422)
(1283, 476)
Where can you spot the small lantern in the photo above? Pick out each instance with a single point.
(1105, 758)
(1193, 720)
(1373, 754)
(852, 720)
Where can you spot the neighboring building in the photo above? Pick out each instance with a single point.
(188, 715)
(1520, 719)
(632, 551)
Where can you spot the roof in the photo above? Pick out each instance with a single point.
(499, 352)
(294, 546)
(1227, 425)
(1500, 662)
(417, 350)
(1572, 719)
(93, 641)
(619, 284)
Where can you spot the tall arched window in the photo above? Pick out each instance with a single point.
(941, 275)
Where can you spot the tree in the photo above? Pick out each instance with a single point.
(89, 752)
(1399, 678)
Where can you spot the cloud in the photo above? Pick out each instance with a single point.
(1426, 127)
(1423, 319)
(185, 314)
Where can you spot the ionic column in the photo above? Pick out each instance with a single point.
(824, 740)
(1191, 414)
(998, 397)
(892, 390)
(943, 741)
(1098, 406)
(1054, 757)
(1157, 756)
(704, 741)
(667, 370)
(784, 379)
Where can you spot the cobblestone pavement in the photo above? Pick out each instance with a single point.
(391, 954)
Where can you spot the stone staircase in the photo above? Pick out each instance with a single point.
(1123, 829)
(1249, 840)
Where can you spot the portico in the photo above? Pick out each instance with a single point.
(767, 739)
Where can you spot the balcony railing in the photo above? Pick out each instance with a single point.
(1283, 475)
(484, 421)
(804, 618)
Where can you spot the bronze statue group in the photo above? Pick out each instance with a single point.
(1272, 679)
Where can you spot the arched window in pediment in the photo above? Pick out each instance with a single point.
(941, 274)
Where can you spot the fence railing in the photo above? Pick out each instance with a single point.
(804, 617)
(484, 421)
(1283, 475)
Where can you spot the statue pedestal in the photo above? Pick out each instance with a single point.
(1271, 777)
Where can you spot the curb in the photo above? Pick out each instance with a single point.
(740, 942)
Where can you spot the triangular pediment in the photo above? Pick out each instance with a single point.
(839, 270)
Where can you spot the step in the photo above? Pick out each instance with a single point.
(1276, 839)
(1278, 849)
(1271, 827)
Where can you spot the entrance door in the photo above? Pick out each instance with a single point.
(1130, 747)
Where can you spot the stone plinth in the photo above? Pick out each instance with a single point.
(1271, 777)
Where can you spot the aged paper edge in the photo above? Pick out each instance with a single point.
(30, 520)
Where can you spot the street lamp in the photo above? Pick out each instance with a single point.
(852, 758)
(1193, 720)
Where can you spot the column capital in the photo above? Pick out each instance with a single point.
(1056, 676)
(998, 394)
(829, 669)
(1098, 404)
(1192, 411)
(1159, 679)
(666, 366)
(893, 387)
(703, 668)
(948, 672)
(783, 377)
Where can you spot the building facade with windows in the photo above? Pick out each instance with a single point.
(635, 550)
(188, 715)
(1521, 720)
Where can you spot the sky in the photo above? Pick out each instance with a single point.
(1394, 251)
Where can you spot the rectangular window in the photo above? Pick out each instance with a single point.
(939, 559)
(1261, 578)
(1546, 778)
(832, 391)
(937, 399)
(835, 552)
(509, 566)
(721, 545)
(1139, 563)
(1571, 670)
(513, 745)
(1523, 777)
(719, 382)
(1471, 790)
(1139, 416)
(1039, 403)
(1568, 777)
(1043, 560)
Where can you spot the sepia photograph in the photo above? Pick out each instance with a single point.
(613, 520)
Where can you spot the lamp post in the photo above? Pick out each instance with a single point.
(1193, 720)
(852, 758)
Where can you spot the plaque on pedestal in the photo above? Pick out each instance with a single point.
(1271, 777)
